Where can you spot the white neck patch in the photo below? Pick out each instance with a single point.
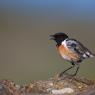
(64, 43)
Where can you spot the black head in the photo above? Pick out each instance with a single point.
(59, 37)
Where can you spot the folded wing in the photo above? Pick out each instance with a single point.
(79, 48)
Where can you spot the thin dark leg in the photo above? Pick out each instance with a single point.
(76, 71)
(61, 74)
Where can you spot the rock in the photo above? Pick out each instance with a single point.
(67, 85)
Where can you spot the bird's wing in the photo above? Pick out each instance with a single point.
(79, 48)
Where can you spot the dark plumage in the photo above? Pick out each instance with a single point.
(59, 37)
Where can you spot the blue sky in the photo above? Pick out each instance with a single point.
(80, 4)
(74, 8)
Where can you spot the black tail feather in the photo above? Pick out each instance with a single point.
(93, 55)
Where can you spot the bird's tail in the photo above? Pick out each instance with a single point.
(90, 54)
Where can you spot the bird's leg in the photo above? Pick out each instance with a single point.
(76, 71)
(61, 74)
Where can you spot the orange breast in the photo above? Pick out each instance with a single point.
(67, 53)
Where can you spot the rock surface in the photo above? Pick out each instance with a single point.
(67, 85)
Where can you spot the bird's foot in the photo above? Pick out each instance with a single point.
(63, 76)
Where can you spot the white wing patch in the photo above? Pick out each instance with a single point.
(84, 55)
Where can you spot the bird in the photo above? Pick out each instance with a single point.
(71, 50)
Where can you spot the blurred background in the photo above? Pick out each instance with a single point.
(26, 53)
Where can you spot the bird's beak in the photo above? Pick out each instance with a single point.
(52, 37)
